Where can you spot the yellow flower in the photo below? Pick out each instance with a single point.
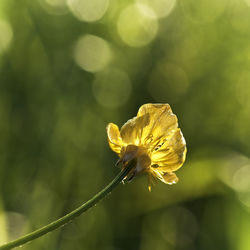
(154, 139)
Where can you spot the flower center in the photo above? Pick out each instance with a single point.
(140, 154)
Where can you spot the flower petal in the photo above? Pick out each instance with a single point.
(169, 178)
(114, 138)
(171, 155)
(166, 177)
(162, 123)
(132, 130)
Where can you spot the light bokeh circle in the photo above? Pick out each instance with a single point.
(162, 8)
(88, 10)
(137, 25)
(92, 53)
(6, 35)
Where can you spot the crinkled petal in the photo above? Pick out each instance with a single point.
(114, 138)
(132, 130)
(162, 124)
(171, 155)
(166, 177)
(169, 178)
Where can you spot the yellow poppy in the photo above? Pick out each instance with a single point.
(154, 139)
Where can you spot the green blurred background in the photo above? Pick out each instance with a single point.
(69, 67)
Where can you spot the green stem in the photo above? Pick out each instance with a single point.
(70, 216)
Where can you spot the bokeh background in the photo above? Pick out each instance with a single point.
(69, 67)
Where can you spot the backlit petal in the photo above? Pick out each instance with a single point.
(132, 130)
(114, 138)
(171, 155)
(169, 178)
(166, 177)
(162, 123)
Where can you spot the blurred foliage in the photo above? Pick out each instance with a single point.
(67, 68)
